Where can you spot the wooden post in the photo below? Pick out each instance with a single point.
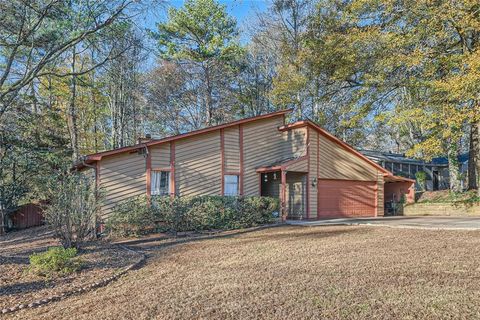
(222, 156)
(240, 142)
(148, 172)
(307, 197)
(283, 195)
(318, 176)
(172, 169)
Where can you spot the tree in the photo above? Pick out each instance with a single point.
(202, 37)
(38, 34)
(73, 209)
(382, 50)
(122, 81)
(173, 97)
(49, 51)
(255, 80)
(286, 26)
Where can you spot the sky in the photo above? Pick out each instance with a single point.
(243, 10)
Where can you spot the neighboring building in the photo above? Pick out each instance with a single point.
(398, 164)
(463, 164)
(313, 173)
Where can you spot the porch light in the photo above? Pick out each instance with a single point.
(314, 182)
(274, 176)
(265, 178)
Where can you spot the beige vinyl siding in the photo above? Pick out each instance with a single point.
(264, 145)
(122, 177)
(338, 163)
(160, 156)
(381, 195)
(300, 166)
(294, 143)
(232, 149)
(313, 198)
(198, 165)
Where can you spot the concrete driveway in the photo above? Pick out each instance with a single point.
(424, 222)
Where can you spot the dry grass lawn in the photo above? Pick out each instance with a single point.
(355, 272)
(18, 286)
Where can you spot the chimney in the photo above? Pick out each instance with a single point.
(147, 138)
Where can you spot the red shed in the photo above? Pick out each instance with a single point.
(28, 215)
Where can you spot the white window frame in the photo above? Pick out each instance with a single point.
(226, 184)
(158, 191)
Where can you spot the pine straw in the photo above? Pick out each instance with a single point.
(17, 285)
(342, 272)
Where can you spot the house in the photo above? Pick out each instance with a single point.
(463, 167)
(313, 173)
(436, 171)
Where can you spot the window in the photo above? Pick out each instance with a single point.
(160, 182)
(231, 185)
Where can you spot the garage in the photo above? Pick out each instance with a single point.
(345, 198)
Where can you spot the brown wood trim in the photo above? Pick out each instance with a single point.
(289, 163)
(162, 169)
(240, 142)
(283, 166)
(97, 175)
(269, 169)
(99, 155)
(148, 172)
(283, 195)
(352, 180)
(222, 157)
(308, 173)
(259, 184)
(172, 169)
(318, 174)
(231, 173)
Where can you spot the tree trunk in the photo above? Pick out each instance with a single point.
(477, 158)
(454, 169)
(2, 220)
(72, 112)
(473, 156)
(208, 97)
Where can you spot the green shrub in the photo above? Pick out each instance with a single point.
(421, 177)
(55, 260)
(132, 217)
(214, 212)
(191, 214)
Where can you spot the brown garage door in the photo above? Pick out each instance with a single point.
(342, 198)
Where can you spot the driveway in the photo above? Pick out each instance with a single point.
(424, 222)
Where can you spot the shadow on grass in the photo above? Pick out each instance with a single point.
(14, 260)
(27, 287)
(15, 238)
(285, 232)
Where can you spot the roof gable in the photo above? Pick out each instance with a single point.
(336, 140)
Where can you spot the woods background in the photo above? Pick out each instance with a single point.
(82, 76)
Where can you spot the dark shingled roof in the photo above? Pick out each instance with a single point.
(401, 158)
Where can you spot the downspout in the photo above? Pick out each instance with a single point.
(148, 169)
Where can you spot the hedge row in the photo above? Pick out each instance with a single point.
(137, 216)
